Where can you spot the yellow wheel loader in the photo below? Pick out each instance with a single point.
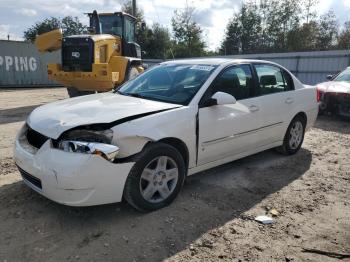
(95, 62)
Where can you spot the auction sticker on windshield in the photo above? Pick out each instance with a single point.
(202, 67)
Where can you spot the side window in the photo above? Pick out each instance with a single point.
(236, 81)
(272, 79)
(129, 30)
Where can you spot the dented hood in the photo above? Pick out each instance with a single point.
(54, 118)
(335, 87)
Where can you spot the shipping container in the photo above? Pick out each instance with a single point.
(21, 65)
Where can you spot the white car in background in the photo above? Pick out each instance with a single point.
(176, 119)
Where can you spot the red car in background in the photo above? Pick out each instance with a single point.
(334, 95)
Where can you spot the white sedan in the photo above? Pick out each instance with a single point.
(176, 119)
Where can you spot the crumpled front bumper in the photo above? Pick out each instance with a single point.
(335, 103)
(72, 179)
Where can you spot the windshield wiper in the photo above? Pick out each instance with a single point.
(129, 94)
(118, 92)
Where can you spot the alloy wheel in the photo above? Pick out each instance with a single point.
(296, 135)
(159, 179)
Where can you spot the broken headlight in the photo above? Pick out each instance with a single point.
(89, 142)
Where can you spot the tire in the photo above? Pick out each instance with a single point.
(73, 92)
(294, 137)
(145, 187)
(132, 73)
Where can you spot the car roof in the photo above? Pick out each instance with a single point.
(214, 61)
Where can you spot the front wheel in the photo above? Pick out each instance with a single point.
(294, 136)
(156, 178)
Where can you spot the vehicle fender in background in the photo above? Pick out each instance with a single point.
(136, 62)
(50, 41)
(121, 64)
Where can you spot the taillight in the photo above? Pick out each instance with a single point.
(318, 94)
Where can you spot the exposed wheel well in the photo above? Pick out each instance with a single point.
(179, 145)
(302, 115)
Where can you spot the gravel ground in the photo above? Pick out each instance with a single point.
(211, 220)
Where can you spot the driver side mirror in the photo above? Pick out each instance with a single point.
(220, 98)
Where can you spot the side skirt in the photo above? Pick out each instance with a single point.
(219, 162)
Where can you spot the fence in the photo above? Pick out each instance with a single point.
(310, 67)
(21, 65)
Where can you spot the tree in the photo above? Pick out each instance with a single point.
(327, 32)
(308, 5)
(281, 17)
(70, 26)
(279, 26)
(262, 27)
(231, 44)
(250, 20)
(303, 38)
(187, 34)
(344, 37)
(156, 42)
(39, 28)
(159, 42)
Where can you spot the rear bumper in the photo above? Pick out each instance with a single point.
(70, 178)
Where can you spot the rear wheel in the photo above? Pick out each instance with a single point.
(294, 136)
(73, 92)
(156, 178)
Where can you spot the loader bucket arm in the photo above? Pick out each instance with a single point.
(50, 41)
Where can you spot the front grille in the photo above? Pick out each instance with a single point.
(77, 54)
(29, 178)
(35, 138)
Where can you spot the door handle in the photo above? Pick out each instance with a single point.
(289, 100)
(253, 108)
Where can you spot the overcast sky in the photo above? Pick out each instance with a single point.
(212, 15)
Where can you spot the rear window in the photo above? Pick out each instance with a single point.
(273, 79)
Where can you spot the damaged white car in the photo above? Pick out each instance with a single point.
(335, 94)
(176, 119)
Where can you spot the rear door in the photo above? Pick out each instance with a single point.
(277, 101)
(226, 130)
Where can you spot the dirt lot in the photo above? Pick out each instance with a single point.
(211, 220)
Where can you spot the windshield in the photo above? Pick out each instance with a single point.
(111, 24)
(343, 76)
(172, 83)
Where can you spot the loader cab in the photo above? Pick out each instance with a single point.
(118, 24)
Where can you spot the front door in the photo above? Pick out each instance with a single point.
(226, 130)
